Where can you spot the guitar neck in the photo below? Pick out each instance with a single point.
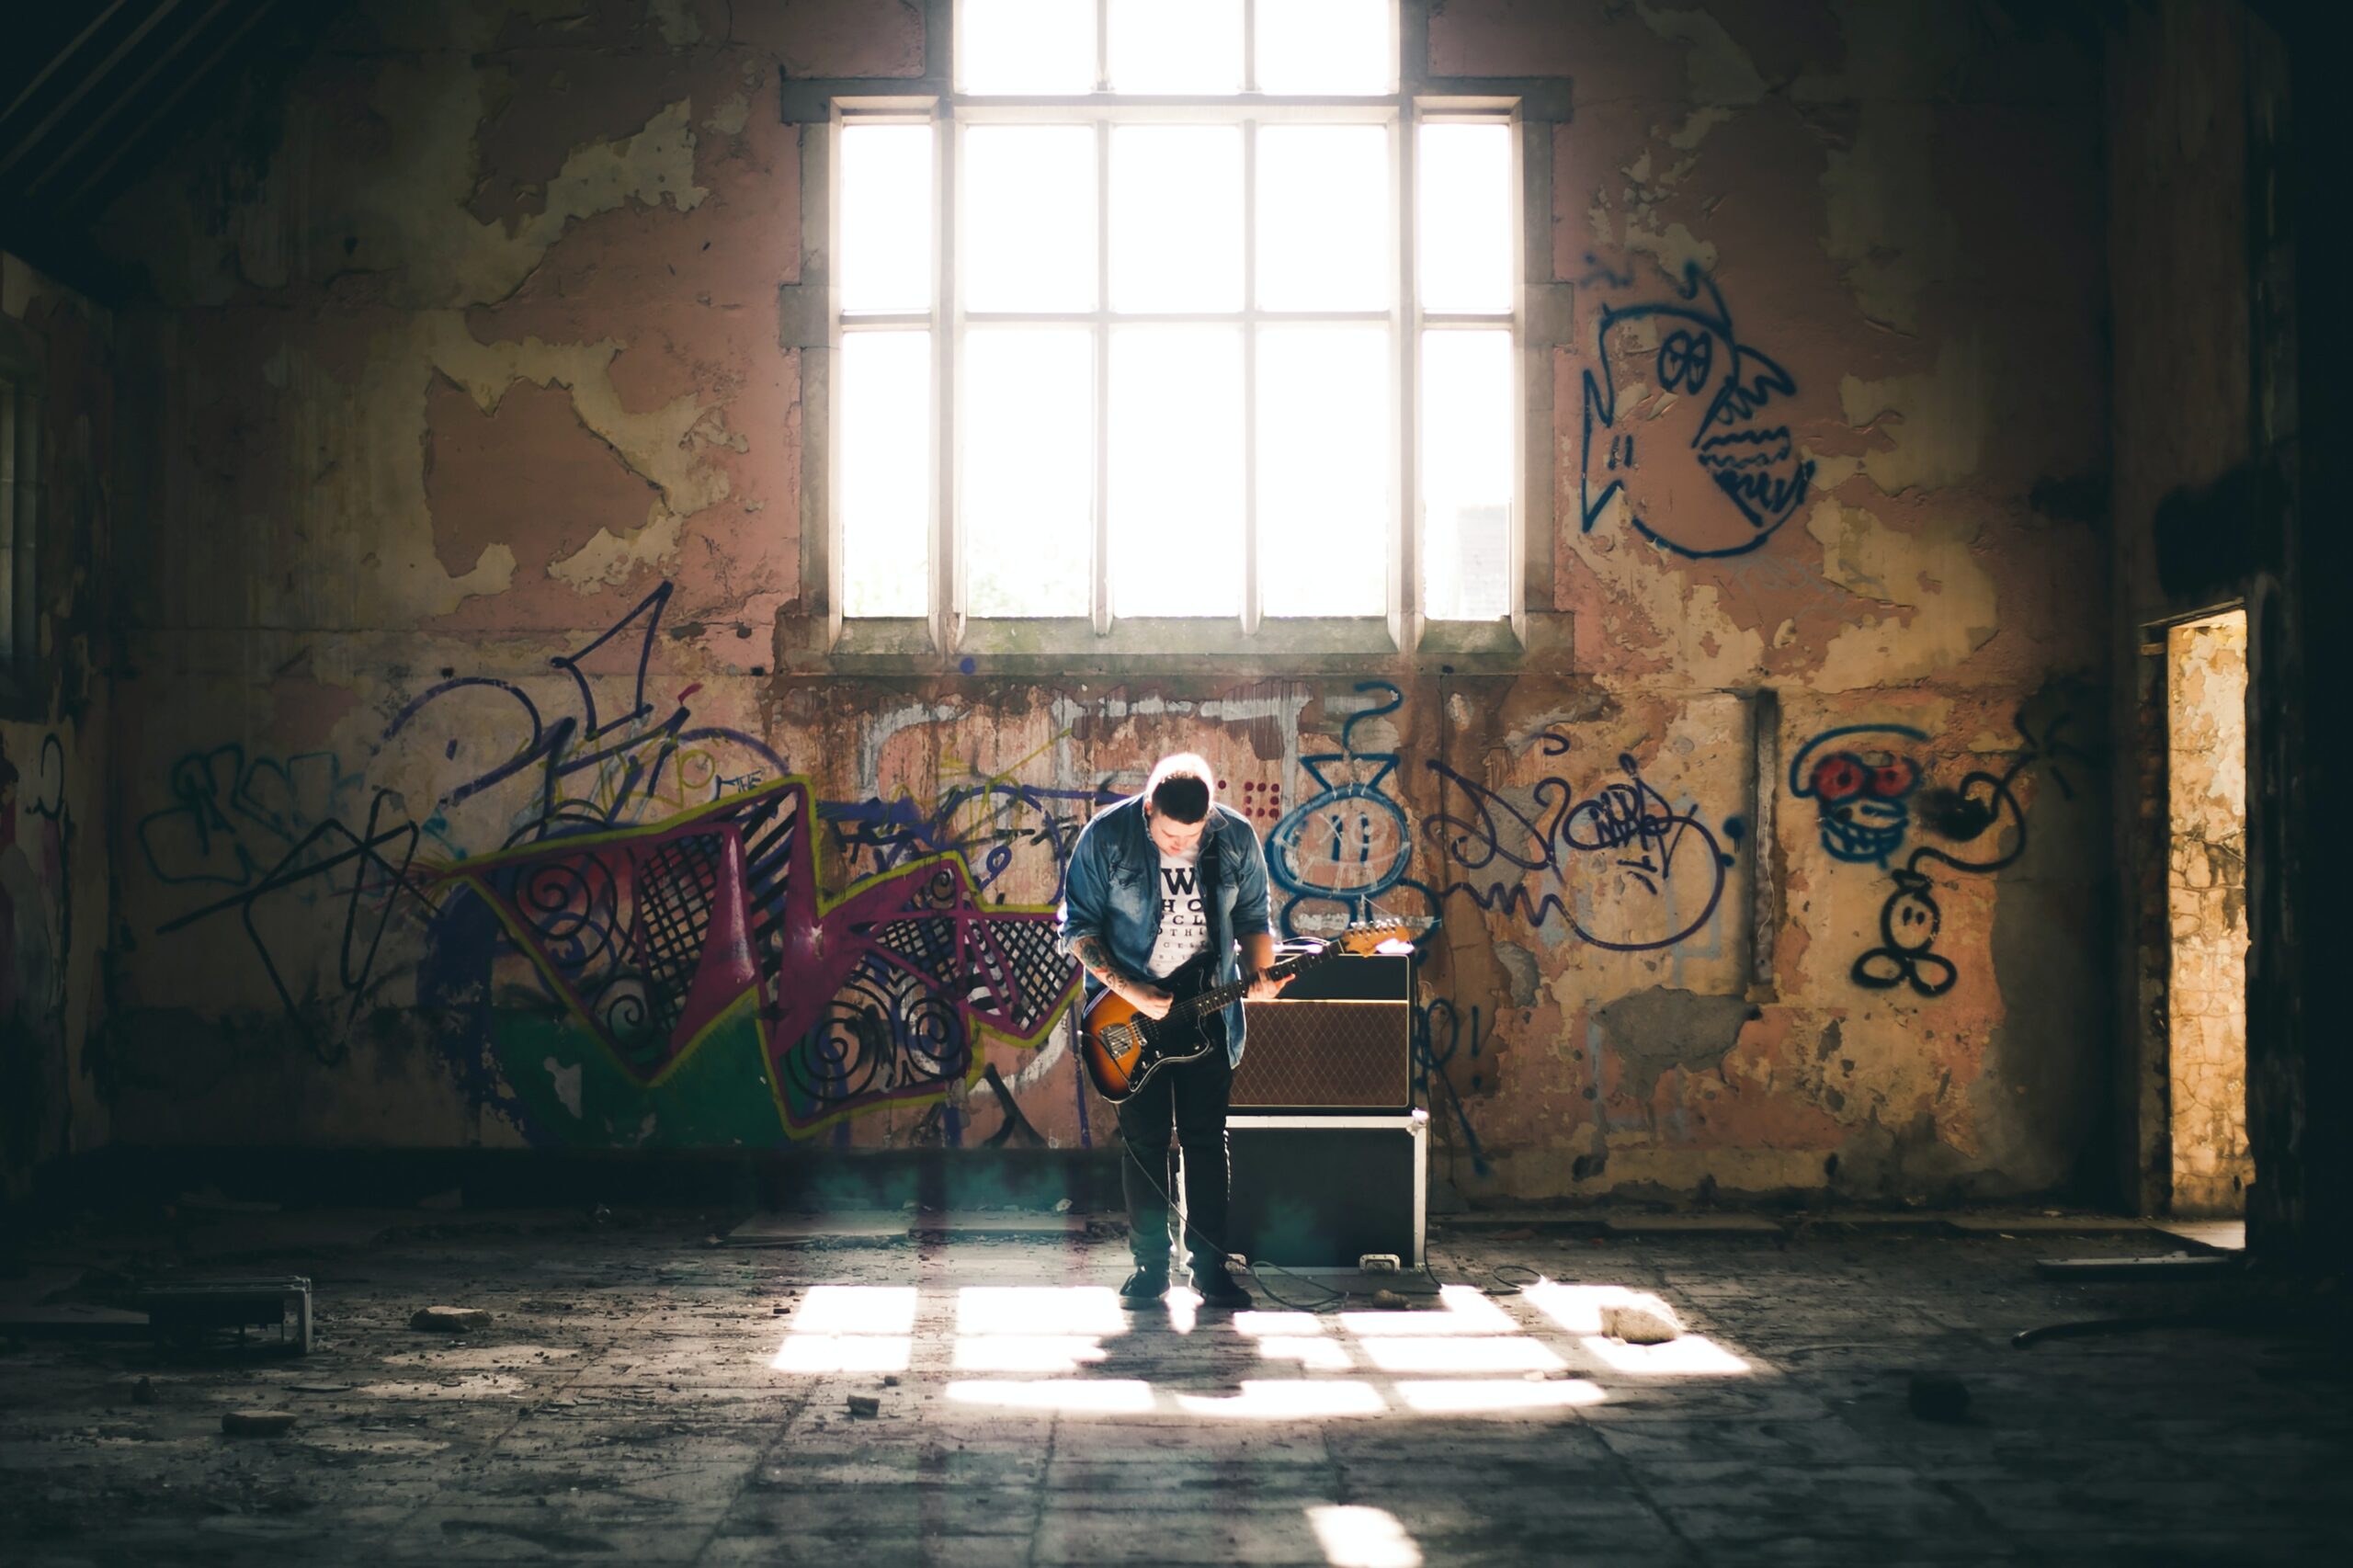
(1206, 1001)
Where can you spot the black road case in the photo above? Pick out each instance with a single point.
(1322, 1191)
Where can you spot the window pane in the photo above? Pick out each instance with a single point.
(1464, 185)
(885, 261)
(1175, 46)
(1323, 218)
(1466, 474)
(1177, 218)
(1028, 212)
(1326, 469)
(1325, 46)
(886, 472)
(1175, 471)
(1027, 488)
(1025, 46)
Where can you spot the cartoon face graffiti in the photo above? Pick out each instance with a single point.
(1717, 402)
(1908, 923)
(1349, 842)
(1864, 791)
(1863, 809)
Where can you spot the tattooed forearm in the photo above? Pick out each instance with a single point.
(1096, 959)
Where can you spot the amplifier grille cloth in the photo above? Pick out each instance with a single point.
(1326, 1056)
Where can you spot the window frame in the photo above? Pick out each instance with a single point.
(946, 629)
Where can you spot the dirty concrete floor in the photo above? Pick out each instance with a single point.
(641, 1395)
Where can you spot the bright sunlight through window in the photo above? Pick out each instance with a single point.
(1141, 327)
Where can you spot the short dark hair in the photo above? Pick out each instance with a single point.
(1181, 797)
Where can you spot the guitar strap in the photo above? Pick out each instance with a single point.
(1212, 857)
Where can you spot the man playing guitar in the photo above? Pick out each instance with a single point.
(1161, 888)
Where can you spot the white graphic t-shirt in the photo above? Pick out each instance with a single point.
(1184, 922)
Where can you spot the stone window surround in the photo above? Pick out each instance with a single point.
(821, 639)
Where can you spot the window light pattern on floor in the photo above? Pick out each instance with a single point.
(1358, 1537)
(1038, 1347)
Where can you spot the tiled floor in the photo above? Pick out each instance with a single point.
(642, 1396)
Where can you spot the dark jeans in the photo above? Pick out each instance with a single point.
(1193, 1096)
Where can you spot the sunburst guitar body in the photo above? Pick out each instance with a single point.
(1122, 1048)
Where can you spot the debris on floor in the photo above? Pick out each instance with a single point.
(2177, 1265)
(449, 1320)
(1645, 1320)
(256, 1423)
(635, 1399)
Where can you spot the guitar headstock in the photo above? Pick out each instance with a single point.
(1372, 935)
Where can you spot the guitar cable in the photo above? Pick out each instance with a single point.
(1333, 1299)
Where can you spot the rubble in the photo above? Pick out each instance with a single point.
(449, 1320)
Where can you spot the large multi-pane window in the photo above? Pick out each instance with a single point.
(1176, 308)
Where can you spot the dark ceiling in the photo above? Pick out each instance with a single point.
(93, 94)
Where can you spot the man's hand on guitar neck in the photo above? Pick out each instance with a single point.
(1142, 995)
(1267, 987)
(1257, 957)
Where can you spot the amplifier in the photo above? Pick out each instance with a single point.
(1322, 1191)
(1339, 1039)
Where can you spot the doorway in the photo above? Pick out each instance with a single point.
(2206, 915)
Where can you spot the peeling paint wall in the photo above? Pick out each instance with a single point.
(471, 645)
(58, 351)
(2198, 392)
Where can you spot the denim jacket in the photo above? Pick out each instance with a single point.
(1112, 891)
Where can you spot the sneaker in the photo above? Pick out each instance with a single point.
(1144, 1287)
(1220, 1289)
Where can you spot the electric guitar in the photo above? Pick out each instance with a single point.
(1123, 1048)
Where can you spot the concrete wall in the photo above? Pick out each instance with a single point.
(60, 352)
(2212, 200)
(478, 479)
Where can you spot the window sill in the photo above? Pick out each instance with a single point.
(1025, 648)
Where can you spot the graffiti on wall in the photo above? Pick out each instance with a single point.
(1981, 823)
(592, 768)
(611, 913)
(625, 924)
(233, 816)
(1861, 787)
(707, 931)
(276, 833)
(1345, 847)
(365, 872)
(35, 928)
(994, 819)
(1706, 405)
(1443, 1031)
(1622, 868)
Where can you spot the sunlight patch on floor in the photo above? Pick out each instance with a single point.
(1104, 1396)
(1694, 1355)
(1358, 1536)
(1468, 1355)
(1312, 1398)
